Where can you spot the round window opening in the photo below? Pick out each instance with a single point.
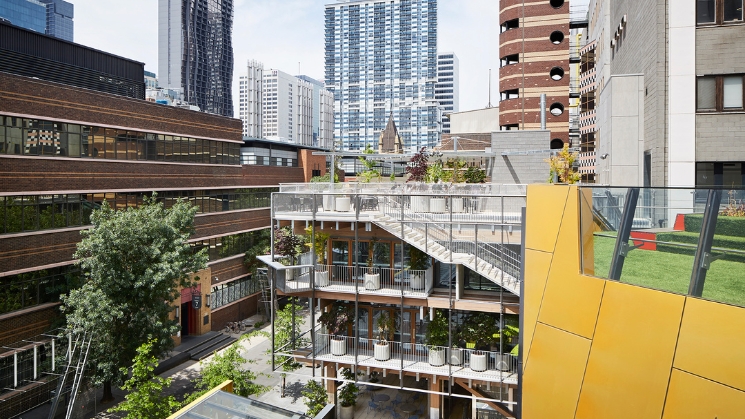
(556, 3)
(557, 144)
(556, 73)
(556, 37)
(556, 109)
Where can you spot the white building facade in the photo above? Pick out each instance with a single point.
(448, 87)
(381, 57)
(250, 109)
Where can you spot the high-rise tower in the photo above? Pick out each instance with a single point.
(448, 86)
(195, 51)
(381, 57)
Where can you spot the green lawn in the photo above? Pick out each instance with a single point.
(725, 280)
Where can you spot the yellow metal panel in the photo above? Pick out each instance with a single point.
(571, 301)
(711, 342)
(691, 397)
(545, 208)
(632, 353)
(536, 270)
(551, 385)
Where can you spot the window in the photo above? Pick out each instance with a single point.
(719, 93)
(718, 11)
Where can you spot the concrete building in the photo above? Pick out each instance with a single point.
(479, 120)
(323, 114)
(195, 52)
(539, 51)
(250, 108)
(447, 89)
(382, 57)
(50, 17)
(151, 80)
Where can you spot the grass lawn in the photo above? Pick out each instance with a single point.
(725, 281)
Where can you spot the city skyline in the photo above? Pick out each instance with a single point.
(464, 27)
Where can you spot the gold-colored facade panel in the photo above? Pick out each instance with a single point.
(545, 209)
(539, 263)
(692, 397)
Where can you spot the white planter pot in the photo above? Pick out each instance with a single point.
(382, 351)
(343, 204)
(420, 203)
(456, 356)
(417, 281)
(346, 412)
(328, 202)
(372, 281)
(437, 357)
(437, 205)
(478, 362)
(322, 279)
(457, 204)
(338, 347)
(504, 361)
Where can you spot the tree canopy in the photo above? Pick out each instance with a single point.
(134, 264)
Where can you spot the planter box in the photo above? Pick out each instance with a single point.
(437, 357)
(456, 356)
(343, 204)
(328, 202)
(322, 279)
(420, 203)
(417, 282)
(346, 412)
(372, 281)
(457, 204)
(382, 352)
(338, 347)
(478, 362)
(437, 205)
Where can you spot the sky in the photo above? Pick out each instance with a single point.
(288, 34)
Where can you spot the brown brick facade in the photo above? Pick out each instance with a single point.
(226, 270)
(236, 311)
(25, 323)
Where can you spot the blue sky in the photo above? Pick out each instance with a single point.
(283, 33)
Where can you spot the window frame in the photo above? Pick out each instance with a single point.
(719, 108)
(719, 15)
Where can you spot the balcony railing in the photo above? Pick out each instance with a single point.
(458, 362)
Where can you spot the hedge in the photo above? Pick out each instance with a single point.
(726, 226)
(724, 242)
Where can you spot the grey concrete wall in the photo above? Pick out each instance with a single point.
(642, 49)
(719, 137)
(479, 120)
(719, 50)
(521, 169)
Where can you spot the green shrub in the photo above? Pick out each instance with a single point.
(726, 226)
(723, 242)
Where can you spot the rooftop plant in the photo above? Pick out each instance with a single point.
(337, 319)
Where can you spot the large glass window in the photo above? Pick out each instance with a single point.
(707, 93)
(732, 91)
(732, 10)
(705, 11)
(340, 252)
(719, 93)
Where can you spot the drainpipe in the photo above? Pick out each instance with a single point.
(543, 111)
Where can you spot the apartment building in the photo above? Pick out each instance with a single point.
(433, 277)
(250, 102)
(447, 89)
(381, 57)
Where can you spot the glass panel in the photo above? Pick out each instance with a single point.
(732, 10)
(705, 11)
(707, 93)
(363, 253)
(704, 174)
(732, 92)
(363, 317)
(732, 175)
(340, 252)
(382, 254)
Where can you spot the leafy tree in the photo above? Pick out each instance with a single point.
(370, 171)
(287, 243)
(316, 397)
(562, 164)
(474, 175)
(134, 263)
(145, 399)
(320, 244)
(286, 331)
(228, 366)
(260, 242)
(417, 168)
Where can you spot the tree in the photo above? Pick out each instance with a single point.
(316, 398)
(134, 264)
(286, 243)
(562, 163)
(287, 325)
(145, 399)
(228, 366)
(370, 171)
(417, 168)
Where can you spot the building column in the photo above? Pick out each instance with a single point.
(460, 281)
(331, 385)
(435, 400)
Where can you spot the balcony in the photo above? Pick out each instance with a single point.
(468, 364)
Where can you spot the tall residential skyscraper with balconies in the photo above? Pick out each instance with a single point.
(195, 52)
(381, 57)
(448, 86)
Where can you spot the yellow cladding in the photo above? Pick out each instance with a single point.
(632, 353)
(545, 209)
(571, 300)
(552, 383)
(692, 397)
(712, 342)
(535, 282)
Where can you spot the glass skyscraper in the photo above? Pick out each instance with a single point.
(51, 17)
(382, 57)
(195, 52)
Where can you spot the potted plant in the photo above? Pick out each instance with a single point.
(321, 239)
(436, 338)
(479, 330)
(337, 320)
(419, 262)
(456, 351)
(417, 171)
(347, 395)
(372, 279)
(506, 335)
(385, 325)
(289, 245)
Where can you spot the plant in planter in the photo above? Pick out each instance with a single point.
(319, 246)
(474, 175)
(347, 395)
(436, 338)
(479, 330)
(418, 261)
(289, 245)
(561, 166)
(385, 325)
(417, 168)
(372, 278)
(316, 397)
(337, 320)
(370, 171)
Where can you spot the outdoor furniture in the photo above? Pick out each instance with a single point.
(368, 203)
(408, 408)
(372, 406)
(398, 400)
(381, 397)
